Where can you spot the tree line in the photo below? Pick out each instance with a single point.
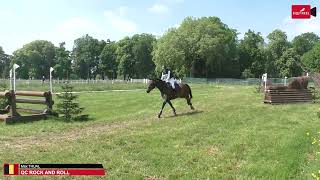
(200, 47)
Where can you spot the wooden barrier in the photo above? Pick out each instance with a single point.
(284, 96)
(11, 113)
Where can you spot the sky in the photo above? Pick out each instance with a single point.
(22, 21)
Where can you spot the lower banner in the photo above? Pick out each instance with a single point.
(53, 170)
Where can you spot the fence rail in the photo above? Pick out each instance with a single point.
(249, 81)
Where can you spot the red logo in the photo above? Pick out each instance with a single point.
(302, 12)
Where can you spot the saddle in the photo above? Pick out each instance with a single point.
(176, 87)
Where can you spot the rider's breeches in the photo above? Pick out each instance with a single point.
(172, 81)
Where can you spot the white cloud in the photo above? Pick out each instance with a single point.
(66, 31)
(294, 27)
(74, 28)
(118, 21)
(158, 9)
(112, 24)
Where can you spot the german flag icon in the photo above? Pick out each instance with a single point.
(10, 169)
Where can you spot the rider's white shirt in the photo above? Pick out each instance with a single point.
(166, 77)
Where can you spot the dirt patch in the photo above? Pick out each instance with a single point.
(310, 157)
(213, 150)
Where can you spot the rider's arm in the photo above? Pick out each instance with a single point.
(168, 76)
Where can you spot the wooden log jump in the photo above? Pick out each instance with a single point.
(31, 101)
(296, 92)
(33, 93)
(284, 96)
(13, 112)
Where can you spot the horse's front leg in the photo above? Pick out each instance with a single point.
(164, 103)
(174, 110)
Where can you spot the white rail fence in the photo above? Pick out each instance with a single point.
(78, 81)
(250, 81)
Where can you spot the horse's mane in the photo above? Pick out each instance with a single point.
(157, 79)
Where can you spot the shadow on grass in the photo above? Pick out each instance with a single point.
(29, 120)
(189, 113)
(82, 118)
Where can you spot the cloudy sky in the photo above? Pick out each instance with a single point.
(23, 21)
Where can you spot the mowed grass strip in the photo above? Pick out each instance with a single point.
(232, 134)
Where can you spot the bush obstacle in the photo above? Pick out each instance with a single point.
(12, 113)
(295, 92)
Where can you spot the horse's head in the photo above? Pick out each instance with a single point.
(152, 84)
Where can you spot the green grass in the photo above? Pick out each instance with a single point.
(38, 86)
(232, 134)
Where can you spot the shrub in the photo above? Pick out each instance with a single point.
(3, 102)
(68, 106)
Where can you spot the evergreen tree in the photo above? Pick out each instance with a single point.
(68, 105)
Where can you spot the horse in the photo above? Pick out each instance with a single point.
(168, 93)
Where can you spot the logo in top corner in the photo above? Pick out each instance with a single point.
(303, 12)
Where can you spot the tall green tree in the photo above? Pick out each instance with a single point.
(200, 47)
(169, 51)
(142, 52)
(311, 59)
(85, 55)
(288, 64)
(108, 65)
(305, 42)
(63, 62)
(125, 58)
(252, 54)
(277, 45)
(35, 59)
(4, 63)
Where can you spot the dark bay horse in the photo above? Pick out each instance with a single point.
(168, 94)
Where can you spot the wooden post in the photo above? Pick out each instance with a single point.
(12, 103)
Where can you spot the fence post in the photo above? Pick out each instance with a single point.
(285, 80)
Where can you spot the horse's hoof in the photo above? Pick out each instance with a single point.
(174, 113)
(159, 116)
(192, 108)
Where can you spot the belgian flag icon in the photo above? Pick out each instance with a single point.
(10, 169)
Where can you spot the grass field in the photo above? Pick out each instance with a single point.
(38, 86)
(231, 135)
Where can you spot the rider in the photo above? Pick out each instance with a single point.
(167, 76)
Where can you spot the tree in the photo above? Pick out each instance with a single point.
(304, 42)
(277, 45)
(168, 51)
(85, 56)
(311, 59)
(252, 56)
(63, 62)
(125, 58)
(35, 59)
(288, 64)
(108, 65)
(4, 63)
(200, 47)
(142, 52)
(67, 106)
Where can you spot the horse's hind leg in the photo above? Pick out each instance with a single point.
(174, 110)
(189, 103)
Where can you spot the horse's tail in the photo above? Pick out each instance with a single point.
(189, 90)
